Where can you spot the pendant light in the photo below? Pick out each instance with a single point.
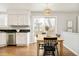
(47, 11)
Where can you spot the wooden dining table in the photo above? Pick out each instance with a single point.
(60, 40)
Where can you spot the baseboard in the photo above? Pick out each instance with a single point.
(72, 50)
(3, 45)
(30, 43)
(21, 45)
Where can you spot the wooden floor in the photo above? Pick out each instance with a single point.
(19, 51)
(30, 50)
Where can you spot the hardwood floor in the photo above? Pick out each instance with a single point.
(19, 51)
(30, 50)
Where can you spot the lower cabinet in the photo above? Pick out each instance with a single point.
(21, 39)
(3, 39)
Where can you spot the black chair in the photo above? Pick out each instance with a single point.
(50, 46)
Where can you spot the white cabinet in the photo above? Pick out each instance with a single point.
(18, 17)
(12, 19)
(3, 39)
(21, 20)
(21, 39)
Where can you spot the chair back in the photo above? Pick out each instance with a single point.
(52, 41)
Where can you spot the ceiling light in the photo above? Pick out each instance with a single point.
(47, 11)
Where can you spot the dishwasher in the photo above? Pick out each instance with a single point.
(11, 39)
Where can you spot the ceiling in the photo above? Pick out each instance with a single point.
(74, 7)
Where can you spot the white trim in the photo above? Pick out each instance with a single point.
(71, 50)
(31, 42)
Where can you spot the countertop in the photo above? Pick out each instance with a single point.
(14, 31)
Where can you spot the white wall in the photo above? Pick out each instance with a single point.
(71, 41)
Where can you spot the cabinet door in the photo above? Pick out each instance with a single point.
(12, 19)
(3, 39)
(26, 20)
(21, 19)
(21, 38)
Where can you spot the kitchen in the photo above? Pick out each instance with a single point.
(15, 29)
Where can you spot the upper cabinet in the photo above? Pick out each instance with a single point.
(22, 20)
(12, 19)
(3, 20)
(18, 17)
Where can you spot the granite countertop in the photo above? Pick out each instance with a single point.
(14, 31)
(9, 29)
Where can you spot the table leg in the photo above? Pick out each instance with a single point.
(61, 48)
(37, 48)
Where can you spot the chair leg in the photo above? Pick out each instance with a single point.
(45, 53)
(53, 53)
(57, 52)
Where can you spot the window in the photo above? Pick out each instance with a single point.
(3, 19)
(40, 23)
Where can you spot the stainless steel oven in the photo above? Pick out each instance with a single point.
(11, 39)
